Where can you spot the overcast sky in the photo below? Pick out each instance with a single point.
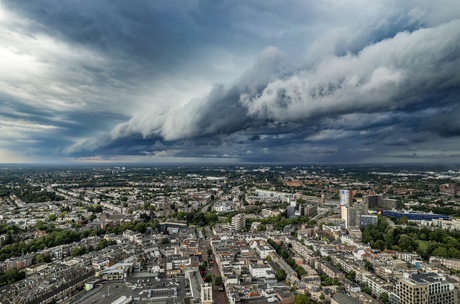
(229, 81)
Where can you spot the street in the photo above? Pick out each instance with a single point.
(217, 297)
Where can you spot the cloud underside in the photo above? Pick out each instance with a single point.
(384, 94)
(157, 81)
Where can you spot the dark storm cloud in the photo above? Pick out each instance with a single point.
(325, 81)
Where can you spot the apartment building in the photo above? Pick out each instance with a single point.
(426, 288)
(239, 222)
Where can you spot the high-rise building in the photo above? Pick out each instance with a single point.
(239, 222)
(352, 214)
(346, 197)
(426, 288)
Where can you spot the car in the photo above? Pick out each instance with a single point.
(103, 296)
(116, 286)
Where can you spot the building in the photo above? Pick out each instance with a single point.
(261, 271)
(450, 189)
(352, 215)
(296, 210)
(426, 288)
(377, 201)
(206, 293)
(264, 250)
(310, 210)
(344, 299)
(415, 216)
(239, 222)
(368, 220)
(346, 197)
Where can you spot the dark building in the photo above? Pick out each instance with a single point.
(377, 201)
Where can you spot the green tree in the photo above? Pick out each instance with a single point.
(269, 258)
(51, 217)
(280, 275)
(218, 280)
(403, 220)
(301, 299)
(261, 227)
(338, 266)
(336, 281)
(379, 244)
(322, 297)
(367, 290)
(209, 251)
(208, 278)
(384, 297)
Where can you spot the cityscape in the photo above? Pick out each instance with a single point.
(229, 234)
(229, 152)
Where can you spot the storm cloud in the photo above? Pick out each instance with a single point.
(253, 81)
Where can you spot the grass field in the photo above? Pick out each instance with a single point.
(424, 244)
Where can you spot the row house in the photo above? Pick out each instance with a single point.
(329, 270)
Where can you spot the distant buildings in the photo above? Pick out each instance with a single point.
(450, 188)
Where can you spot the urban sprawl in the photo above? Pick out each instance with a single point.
(229, 234)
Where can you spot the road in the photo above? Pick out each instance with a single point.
(217, 297)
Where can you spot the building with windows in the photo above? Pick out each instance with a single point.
(426, 288)
(415, 216)
(368, 220)
(239, 222)
(206, 293)
(346, 197)
(376, 201)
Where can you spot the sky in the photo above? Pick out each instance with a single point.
(229, 81)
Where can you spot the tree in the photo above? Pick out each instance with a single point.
(280, 275)
(384, 297)
(261, 227)
(336, 281)
(209, 251)
(301, 299)
(51, 217)
(208, 278)
(403, 220)
(269, 258)
(379, 244)
(367, 290)
(338, 266)
(368, 265)
(322, 297)
(164, 241)
(218, 280)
